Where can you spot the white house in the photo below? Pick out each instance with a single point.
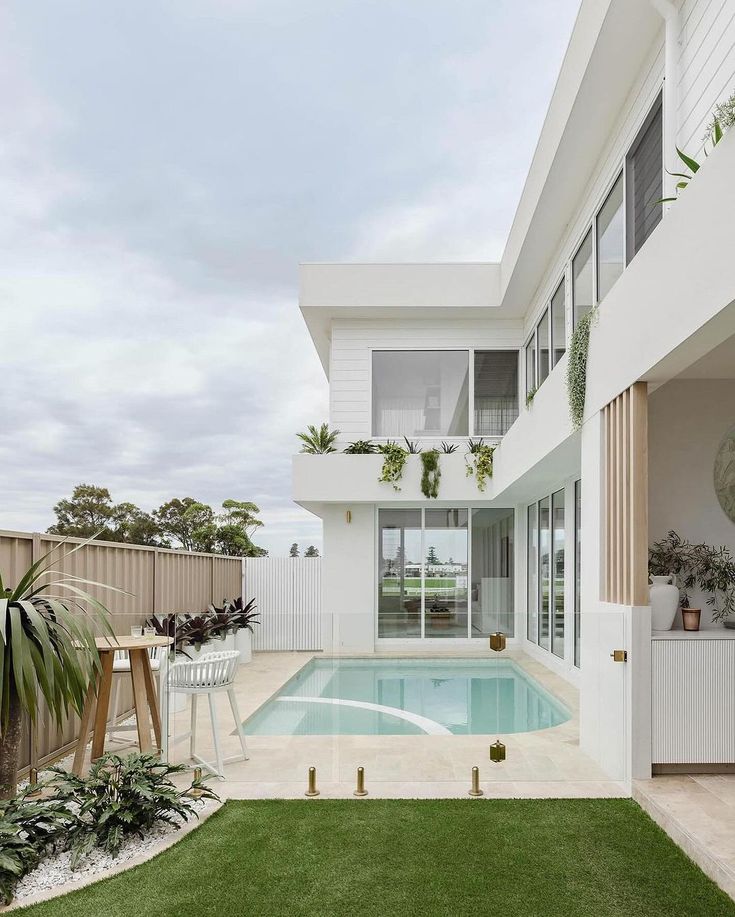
(553, 552)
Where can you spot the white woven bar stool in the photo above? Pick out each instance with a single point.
(211, 674)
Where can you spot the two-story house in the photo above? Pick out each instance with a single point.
(553, 552)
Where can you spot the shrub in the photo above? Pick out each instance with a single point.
(479, 461)
(361, 447)
(431, 473)
(394, 458)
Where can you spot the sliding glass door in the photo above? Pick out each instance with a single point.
(445, 572)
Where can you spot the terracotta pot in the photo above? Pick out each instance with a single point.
(690, 617)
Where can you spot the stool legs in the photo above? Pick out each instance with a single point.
(193, 730)
(238, 722)
(215, 736)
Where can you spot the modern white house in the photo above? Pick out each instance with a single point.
(554, 551)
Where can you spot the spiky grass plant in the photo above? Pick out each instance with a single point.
(318, 441)
(47, 648)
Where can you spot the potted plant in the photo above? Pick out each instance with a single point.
(244, 615)
(696, 566)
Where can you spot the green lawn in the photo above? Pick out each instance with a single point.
(405, 857)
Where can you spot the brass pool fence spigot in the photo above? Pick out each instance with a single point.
(497, 641)
(311, 789)
(360, 788)
(497, 752)
(195, 792)
(475, 788)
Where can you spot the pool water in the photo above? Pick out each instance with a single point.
(408, 697)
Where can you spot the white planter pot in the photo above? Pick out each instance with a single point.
(244, 643)
(664, 602)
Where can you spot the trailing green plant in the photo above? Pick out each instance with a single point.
(47, 649)
(577, 367)
(318, 441)
(412, 447)
(530, 395)
(696, 566)
(479, 462)
(431, 474)
(122, 797)
(29, 830)
(361, 447)
(394, 459)
(449, 448)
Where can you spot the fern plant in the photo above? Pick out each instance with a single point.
(394, 459)
(318, 441)
(122, 797)
(479, 462)
(431, 474)
(577, 367)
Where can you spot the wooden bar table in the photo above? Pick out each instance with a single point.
(145, 701)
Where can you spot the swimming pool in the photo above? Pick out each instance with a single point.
(408, 697)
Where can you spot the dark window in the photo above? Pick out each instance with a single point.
(644, 181)
(496, 391)
(558, 323)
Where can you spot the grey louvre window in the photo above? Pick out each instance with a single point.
(644, 178)
(496, 391)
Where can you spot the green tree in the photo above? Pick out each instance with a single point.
(294, 550)
(431, 557)
(311, 551)
(87, 513)
(132, 525)
(190, 523)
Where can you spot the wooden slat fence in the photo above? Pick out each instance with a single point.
(159, 580)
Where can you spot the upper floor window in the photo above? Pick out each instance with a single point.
(544, 346)
(420, 393)
(610, 235)
(531, 365)
(496, 391)
(558, 323)
(582, 288)
(644, 182)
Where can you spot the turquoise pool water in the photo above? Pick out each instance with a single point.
(408, 697)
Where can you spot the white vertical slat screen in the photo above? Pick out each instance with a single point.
(287, 591)
(693, 692)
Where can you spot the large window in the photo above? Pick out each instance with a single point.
(577, 569)
(492, 571)
(531, 365)
(532, 574)
(610, 235)
(544, 345)
(429, 585)
(557, 574)
(420, 393)
(582, 289)
(558, 323)
(644, 182)
(544, 565)
(496, 391)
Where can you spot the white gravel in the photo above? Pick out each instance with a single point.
(55, 870)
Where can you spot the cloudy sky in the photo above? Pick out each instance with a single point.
(164, 167)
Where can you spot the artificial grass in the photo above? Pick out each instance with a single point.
(516, 858)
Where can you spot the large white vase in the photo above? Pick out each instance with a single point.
(244, 643)
(664, 602)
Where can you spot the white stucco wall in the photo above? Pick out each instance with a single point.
(687, 420)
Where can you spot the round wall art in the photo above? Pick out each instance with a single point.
(725, 474)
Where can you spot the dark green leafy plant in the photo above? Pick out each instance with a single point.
(47, 650)
(530, 395)
(577, 367)
(29, 830)
(412, 447)
(394, 458)
(715, 133)
(697, 566)
(448, 448)
(361, 447)
(431, 474)
(479, 462)
(318, 441)
(122, 797)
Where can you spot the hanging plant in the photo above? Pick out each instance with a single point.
(394, 458)
(479, 461)
(431, 474)
(577, 367)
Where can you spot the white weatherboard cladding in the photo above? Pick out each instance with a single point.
(706, 66)
(692, 694)
(354, 341)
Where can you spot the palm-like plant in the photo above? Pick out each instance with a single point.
(318, 441)
(47, 648)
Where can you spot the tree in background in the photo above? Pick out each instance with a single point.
(185, 522)
(431, 557)
(294, 550)
(311, 551)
